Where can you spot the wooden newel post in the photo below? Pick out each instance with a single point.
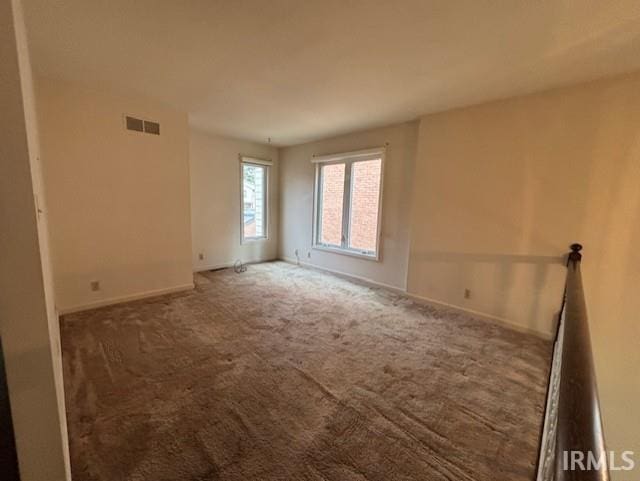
(574, 255)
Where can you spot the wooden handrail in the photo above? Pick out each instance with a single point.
(572, 442)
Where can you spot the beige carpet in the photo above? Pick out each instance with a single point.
(283, 373)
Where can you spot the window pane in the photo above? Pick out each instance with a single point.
(365, 196)
(332, 177)
(254, 198)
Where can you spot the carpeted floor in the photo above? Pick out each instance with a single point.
(284, 373)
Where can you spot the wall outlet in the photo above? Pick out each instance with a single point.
(309, 254)
(296, 252)
(94, 285)
(467, 293)
(201, 256)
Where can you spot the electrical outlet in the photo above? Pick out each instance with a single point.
(201, 256)
(467, 293)
(296, 252)
(309, 254)
(94, 285)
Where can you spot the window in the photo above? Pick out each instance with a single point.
(254, 176)
(348, 195)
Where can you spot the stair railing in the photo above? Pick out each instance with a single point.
(572, 442)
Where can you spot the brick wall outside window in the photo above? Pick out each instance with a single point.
(332, 197)
(365, 195)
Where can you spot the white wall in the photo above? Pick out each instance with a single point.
(215, 201)
(486, 198)
(118, 200)
(296, 190)
(502, 189)
(28, 322)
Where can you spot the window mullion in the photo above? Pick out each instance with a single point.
(265, 202)
(319, 187)
(346, 205)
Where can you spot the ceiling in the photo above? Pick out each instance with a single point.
(299, 70)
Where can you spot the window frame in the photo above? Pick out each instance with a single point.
(347, 158)
(265, 164)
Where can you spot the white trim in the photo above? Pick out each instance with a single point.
(211, 267)
(425, 300)
(128, 298)
(348, 158)
(249, 240)
(229, 264)
(267, 211)
(254, 160)
(346, 252)
(373, 153)
(352, 277)
(498, 320)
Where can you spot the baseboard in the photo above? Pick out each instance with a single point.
(425, 300)
(128, 298)
(226, 265)
(498, 320)
(364, 280)
(211, 267)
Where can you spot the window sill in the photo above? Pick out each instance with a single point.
(347, 252)
(251, 240)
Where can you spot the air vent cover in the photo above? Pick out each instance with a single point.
(152, 127)
(139, 125)
(134, 124)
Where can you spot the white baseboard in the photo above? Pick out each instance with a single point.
(226, 265)
(498, 320)
(425, 300)
(362, 279)
(211, 267)
(127, 298)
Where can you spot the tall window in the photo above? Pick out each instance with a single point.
(254, 199)
(347, 202)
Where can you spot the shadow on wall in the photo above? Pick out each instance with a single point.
(8, 457)
(499, 297)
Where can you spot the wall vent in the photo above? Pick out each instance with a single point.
(139, 125)
(152, 127)
(134, 124)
